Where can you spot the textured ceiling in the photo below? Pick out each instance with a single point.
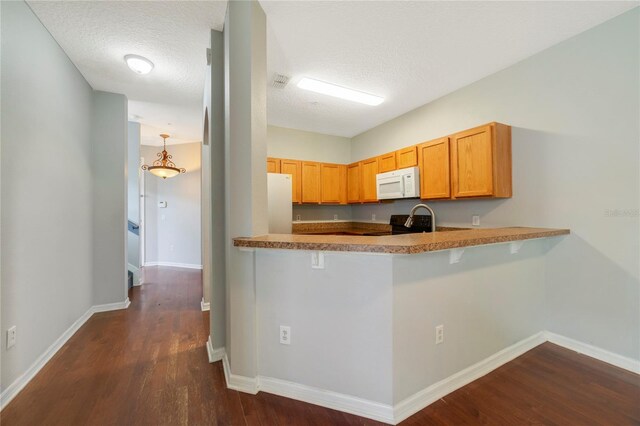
(406, 51)
(174, 35)
(410, 52)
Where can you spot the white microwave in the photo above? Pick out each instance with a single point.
(403, 183)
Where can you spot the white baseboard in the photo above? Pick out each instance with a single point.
(14, 388)
(175, 265)
(214, 354)
(111, 306)
(239, 383)
(204, 306)
(603, 355)
(136, 274)
(324, 398)
(429, 395)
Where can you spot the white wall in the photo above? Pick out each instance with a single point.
(489, 301)
(340, 317)
(173, 234)
(109, 169)
(46, 263)
(214, 102)
(245, 93)
(133, 192)
(575, 116)
(310, 146)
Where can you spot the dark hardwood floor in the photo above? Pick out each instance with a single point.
(147, 365)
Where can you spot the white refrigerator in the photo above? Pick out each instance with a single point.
(279, 194)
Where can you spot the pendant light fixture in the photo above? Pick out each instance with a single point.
(163, 167)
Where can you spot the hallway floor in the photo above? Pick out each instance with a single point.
(147, 365)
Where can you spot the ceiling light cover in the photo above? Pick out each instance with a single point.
(339, 92)
(139, 64)
(163, 167)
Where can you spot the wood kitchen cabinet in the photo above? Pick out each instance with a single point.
(293, 168)
(273, 165)
(474, 163)
(481, 162)
(354, 183)
(333, 183)
(387, 162)
(407, 157)
(368, 172)
(311, 182)
(434, 162)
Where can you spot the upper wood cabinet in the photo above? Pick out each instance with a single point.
(407, 157)
(333, 183)
(387, 162)
(481, 162)
(475, 163)
(293, 168)
(354, 183)
(311, 190)
(273, 165)
(433, 158)
(368, 171)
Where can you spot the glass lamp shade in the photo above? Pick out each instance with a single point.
(163, 167)
(164, 172)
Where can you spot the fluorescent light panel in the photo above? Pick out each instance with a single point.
(339, 92)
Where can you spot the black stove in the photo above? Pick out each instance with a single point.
(421, 223)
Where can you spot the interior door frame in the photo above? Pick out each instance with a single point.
(141, 190)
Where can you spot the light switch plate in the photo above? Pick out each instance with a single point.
(475, 220)
(162, 204)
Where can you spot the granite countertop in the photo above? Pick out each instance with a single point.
(398, 244)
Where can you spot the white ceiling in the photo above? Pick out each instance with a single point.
(410, 52)
(174, 35)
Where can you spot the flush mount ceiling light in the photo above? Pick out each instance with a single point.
(163, 167)
(339, 92)
(139, 64)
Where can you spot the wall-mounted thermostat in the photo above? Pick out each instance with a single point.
(162, 204)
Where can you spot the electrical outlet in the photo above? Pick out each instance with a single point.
(285, 334)
(335, 217)
(439, 334)
(298, 218)
(373, 216)
(475, 220)
(11, 337)
(317, 260)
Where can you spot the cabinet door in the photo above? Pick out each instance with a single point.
(387, 162)
(354, 180)
(293, 168)
(311, 191)
(472, 163)
(369, 170)
(343, 183)
(434, 162)
(331, 183)
(273, 165)
(407, 157)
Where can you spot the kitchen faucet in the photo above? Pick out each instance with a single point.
(409, 221)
